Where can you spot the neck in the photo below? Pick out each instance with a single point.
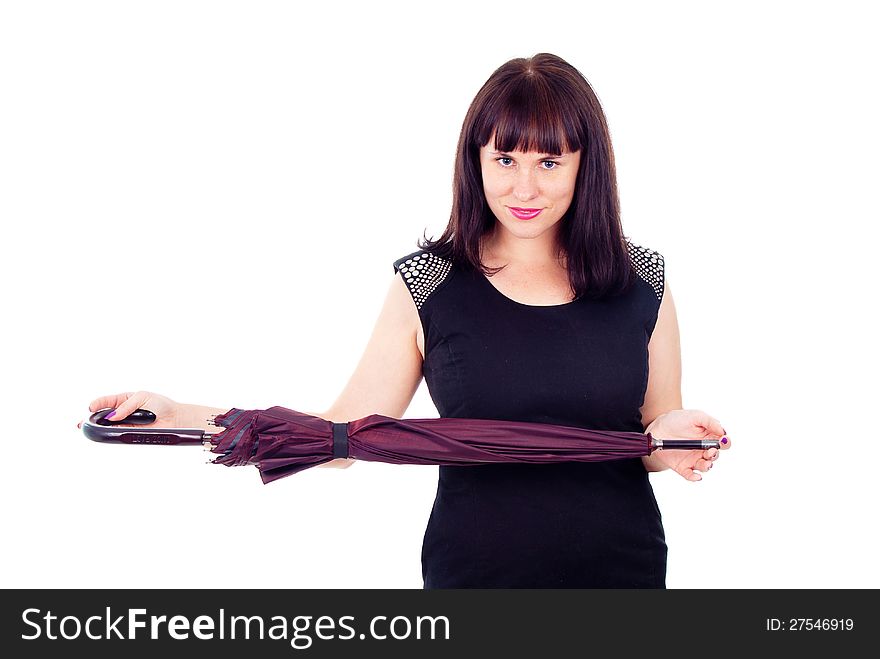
(500, 247)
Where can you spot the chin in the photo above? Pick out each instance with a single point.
(527, 228)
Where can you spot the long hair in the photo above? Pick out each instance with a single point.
(543, 104)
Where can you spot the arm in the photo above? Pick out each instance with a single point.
(386, 378)
(663, 392)
(390, 369)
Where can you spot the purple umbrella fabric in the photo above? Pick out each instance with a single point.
(281, 442)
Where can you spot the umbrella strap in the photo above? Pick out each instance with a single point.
(340, 440)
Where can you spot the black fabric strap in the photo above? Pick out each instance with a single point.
(340, 440)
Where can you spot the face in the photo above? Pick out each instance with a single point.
(528, 192)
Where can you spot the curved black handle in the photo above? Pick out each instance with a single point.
(119, 431)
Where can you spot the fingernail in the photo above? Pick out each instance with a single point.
(110, 415)
(724, 440)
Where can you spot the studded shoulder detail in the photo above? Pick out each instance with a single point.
(423, 273)
(649, 266)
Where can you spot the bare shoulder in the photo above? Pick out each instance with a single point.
(399, 304)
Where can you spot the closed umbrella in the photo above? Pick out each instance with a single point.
(281, 441)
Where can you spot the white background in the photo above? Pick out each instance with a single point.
(204, 199)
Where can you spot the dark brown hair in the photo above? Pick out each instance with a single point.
(542, 104)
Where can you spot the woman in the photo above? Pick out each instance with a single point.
(531, 306)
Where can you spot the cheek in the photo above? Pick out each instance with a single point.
(562, 189)
(495, 186)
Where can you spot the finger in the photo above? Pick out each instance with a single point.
(112, 401)
(690, 474)
(132, 403)
(702, 465)
(710, 424)
(712, 427)
(710, 454)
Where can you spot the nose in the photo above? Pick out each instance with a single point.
(525, 187)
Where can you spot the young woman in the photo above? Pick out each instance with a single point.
(531, 306)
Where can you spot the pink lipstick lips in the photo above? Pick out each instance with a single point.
(524, 213)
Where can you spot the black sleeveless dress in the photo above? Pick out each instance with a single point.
(584, 363)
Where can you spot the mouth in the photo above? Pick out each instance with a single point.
(524, 213)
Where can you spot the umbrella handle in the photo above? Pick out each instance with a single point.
(99, 429)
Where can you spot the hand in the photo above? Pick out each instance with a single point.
(169, 414)
(687, 424)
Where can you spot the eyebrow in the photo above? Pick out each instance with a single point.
(542, 155)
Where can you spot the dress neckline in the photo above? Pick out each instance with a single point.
(482, 276)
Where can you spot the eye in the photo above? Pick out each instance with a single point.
(550, 162)
(504, 161)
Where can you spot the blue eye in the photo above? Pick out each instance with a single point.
(503, 164)
(550, 162)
